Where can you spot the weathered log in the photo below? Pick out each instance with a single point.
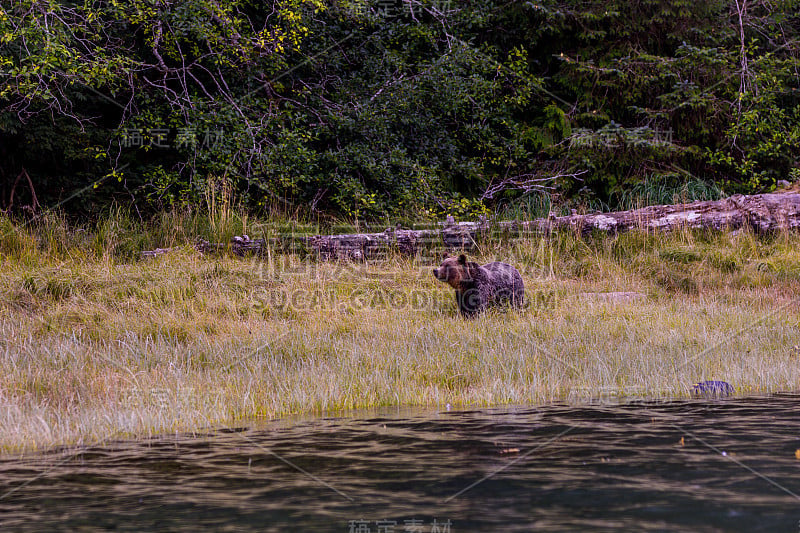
(156, 252)
(243, 245)
(762, 213)
(361, 246)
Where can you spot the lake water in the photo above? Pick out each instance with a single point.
(692, 465)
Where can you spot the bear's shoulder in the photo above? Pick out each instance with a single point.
(498, 265)
(499, 268)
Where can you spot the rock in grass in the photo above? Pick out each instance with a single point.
(712, 389)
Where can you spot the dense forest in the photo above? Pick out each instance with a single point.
(372, 109)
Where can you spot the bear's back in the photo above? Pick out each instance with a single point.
(501, 270)
(506, 282)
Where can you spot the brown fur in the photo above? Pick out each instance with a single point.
(451, 272)
(478, 287)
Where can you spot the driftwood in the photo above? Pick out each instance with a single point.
(156, 252)
(762, 213)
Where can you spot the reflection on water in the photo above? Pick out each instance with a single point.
(695, 465)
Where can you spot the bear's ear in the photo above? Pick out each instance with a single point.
(462, 259)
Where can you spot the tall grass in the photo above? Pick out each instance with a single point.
(655, 190)
(665, 190)
(97, 342)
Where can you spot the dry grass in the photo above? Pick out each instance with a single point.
(95, 346)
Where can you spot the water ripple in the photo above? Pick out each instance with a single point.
(694, 465)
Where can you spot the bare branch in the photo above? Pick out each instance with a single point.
(527, 183)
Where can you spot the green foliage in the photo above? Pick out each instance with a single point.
(337, 108)
(763, 135)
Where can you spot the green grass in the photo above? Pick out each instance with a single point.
(97, 343)
(654, 190)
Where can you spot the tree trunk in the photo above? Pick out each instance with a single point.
(762, 213)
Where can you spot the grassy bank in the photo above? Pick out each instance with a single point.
(97, 343)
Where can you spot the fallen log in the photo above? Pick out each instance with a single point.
(762, 213)
(156, 252)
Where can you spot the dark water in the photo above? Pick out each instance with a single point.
(565, 468)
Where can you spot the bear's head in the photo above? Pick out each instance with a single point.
(453, 271)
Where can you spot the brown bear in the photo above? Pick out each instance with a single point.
(478, 287)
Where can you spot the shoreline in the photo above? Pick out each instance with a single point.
(387, 411)
(92, 347)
